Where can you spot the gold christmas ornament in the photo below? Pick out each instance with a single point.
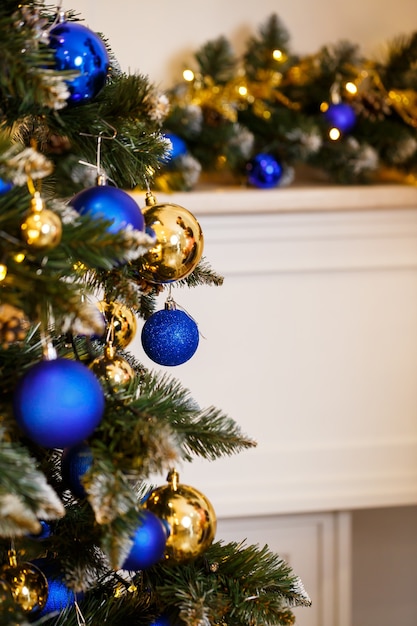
(42, 228)
(14, 325)
(28, 585)
(112, 370)
(179, 242)
(122, 321)
(189, 515)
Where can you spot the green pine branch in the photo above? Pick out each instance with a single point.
(233, 583)
(217, 60)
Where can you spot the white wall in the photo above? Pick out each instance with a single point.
(160, 38)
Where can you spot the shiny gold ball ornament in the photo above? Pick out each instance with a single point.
(121, 322)
(28, 585)
(179, 242)
(112, 370)
(41, 229)
(189, 516)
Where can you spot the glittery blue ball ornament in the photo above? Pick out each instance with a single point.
(59, 595)
(178, 146)
(78, 48)
(170, 337)
(149, 543)
(264, 171)
(58, 403)
(109, 203)
(341, 116)
(75, 462)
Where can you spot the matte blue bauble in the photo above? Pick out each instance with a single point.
(109, 203)
(179, 147)
(78, 48)
(149, 543)
(58, 403)
(170, 337)
(341, 116)
(59, 595)
(75, 462)
(264, 171)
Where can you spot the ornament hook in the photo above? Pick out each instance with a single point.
(99, 137)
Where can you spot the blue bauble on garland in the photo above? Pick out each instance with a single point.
(75, 462)
(341, 115)
(178, 146)
(79, 49)
(170, 337)
(149, 543)
(264, 171)
(5, 186)
(109, 203)
(58, 403)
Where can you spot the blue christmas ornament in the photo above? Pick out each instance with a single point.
(78, 48)
(170, 337)
(109, 203)
(58, 403)
(75, 462)
(264, 171)
(44, 533)
(5, 186)
(149, 543)
(341, 116)
(178, 146)
(59, 595)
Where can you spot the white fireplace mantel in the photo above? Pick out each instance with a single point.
(310, 345)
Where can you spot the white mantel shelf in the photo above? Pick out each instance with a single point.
(310, 345)
(223, 200)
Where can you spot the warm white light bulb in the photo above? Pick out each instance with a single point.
(188, 75)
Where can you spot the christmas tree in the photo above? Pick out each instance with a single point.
(86, 537)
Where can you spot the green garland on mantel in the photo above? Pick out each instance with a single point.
(226, 111)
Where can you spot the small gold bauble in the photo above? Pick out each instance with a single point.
(123, 320)
(112, 370)
(14, 325)
(189, 515)
(28, 585)
(179, 242)
(42, 230)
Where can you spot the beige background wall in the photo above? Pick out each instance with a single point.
(158, 38)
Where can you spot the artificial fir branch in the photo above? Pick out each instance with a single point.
(217, 60)
(398, 69)
(210, 588)
(272, 36)
(203, 274)
(164, 424)
(25, 495)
